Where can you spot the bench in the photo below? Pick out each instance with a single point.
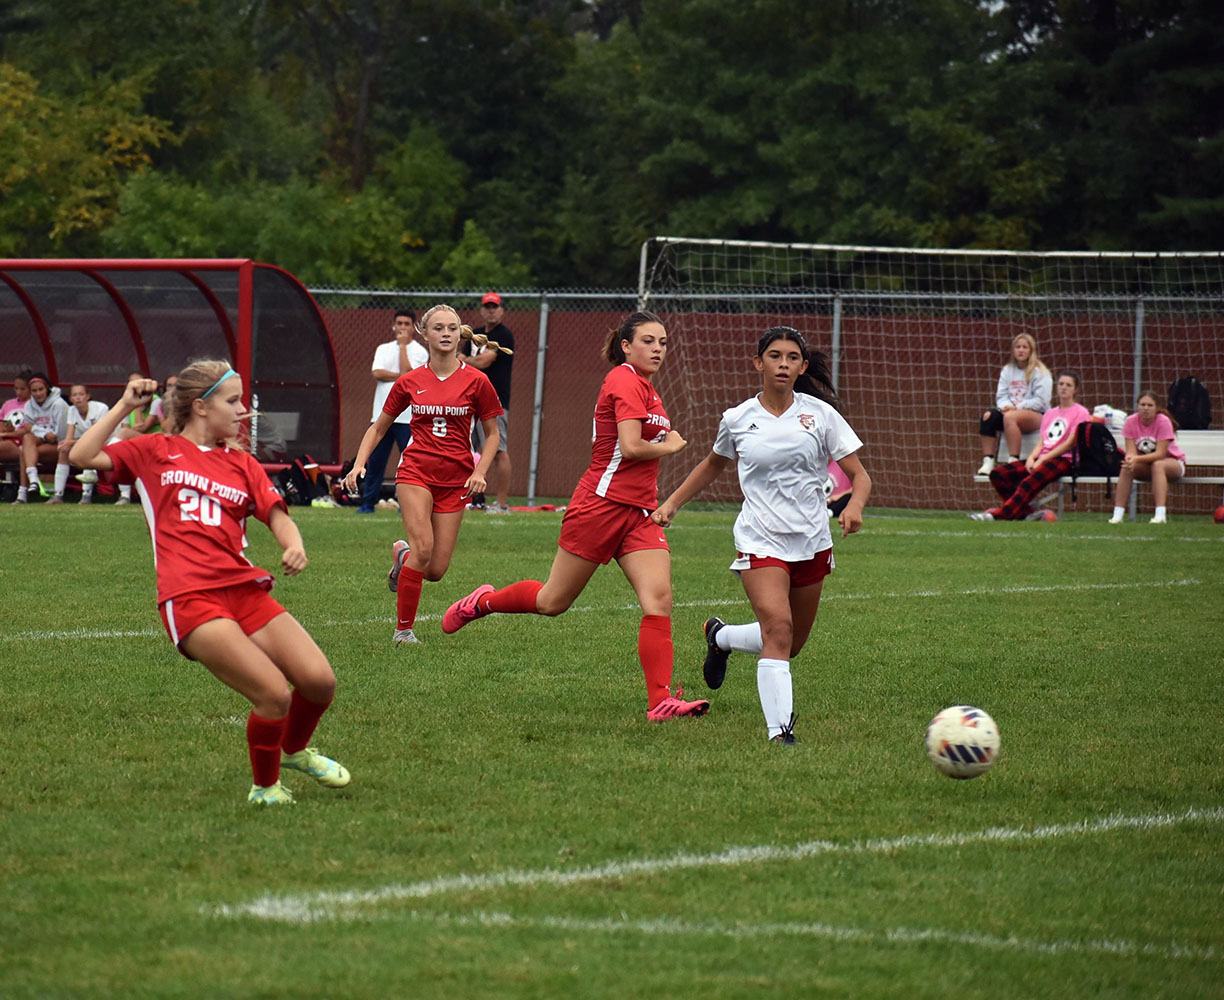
(1204, 451)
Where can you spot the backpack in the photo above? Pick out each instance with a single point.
(1189, 404)
(296, 484)
(1096, 454)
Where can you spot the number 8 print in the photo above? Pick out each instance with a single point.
(439, 427)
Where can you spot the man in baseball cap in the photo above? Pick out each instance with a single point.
(498, 367)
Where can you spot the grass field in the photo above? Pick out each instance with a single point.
(515, 828)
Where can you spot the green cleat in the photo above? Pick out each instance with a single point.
(324, 770)
(272, 795)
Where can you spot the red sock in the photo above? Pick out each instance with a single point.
(264, 737)
(517, 599)
(656, 653)
(408, 596)
(304, 715)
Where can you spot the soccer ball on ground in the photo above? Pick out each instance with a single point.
(1219, 514)
(962, 741)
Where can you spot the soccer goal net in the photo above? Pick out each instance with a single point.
(917, 339)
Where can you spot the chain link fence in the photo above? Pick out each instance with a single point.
(558, 336)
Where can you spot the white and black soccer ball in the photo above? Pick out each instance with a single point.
(962, 741)
(17, 420)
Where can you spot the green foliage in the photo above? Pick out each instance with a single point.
(64, 161)
(572, 131)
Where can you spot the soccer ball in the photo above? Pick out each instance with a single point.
(1219, 514)
(962, 741)
(16, 419)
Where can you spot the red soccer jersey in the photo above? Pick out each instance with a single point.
(196, 502)
(440, 452)
(625, 395)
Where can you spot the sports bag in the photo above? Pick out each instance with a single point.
(1096, 454)
(1189, 404)
(296, 483)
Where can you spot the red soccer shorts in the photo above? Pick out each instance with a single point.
(802, 574)
(446, 499)
(248, 604)
(600, 530)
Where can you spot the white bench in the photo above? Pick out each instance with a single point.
(1204, 451)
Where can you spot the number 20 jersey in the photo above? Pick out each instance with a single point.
(196, 502)
(440, 452)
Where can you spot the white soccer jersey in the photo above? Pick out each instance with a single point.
(80, 424)
(783, 463)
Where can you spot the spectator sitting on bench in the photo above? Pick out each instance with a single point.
(46, 416)
(82, 415)
(1151, 453)
(1019, 482)
(1021, 397)
(10, 439)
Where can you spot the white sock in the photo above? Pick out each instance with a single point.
(1160, 511)
(23, 493)
(774, 687)
(61, 478)
(32, 474)
(126, 491)
(1119, 512)
(744, 638)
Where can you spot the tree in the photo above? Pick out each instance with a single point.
(64, 162)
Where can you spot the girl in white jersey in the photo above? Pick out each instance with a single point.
(197, 488)
(782, 441)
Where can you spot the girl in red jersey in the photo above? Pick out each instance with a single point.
(435, 475)
(197, 488)
(609, 516)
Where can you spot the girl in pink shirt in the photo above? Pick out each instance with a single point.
(1151, 453)
(1054, 455)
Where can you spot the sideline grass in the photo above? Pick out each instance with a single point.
(519, 746)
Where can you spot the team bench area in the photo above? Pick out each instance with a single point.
(1204, 466)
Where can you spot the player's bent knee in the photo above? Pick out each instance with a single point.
(551, 606)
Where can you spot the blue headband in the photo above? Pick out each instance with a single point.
(218, 382)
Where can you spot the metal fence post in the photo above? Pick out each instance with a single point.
(835, 347)
(538, 407)
(1136, 388)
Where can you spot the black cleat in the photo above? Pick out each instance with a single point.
(715, 667)
(787, 737)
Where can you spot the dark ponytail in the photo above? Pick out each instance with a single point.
(612, 350)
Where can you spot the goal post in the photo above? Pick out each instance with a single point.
(916, 339)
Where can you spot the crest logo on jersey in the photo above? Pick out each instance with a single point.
(1057, 428)
(807, 421)
(1146, 445)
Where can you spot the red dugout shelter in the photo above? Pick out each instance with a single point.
(94, 321)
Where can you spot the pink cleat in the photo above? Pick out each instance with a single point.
(399, 552)
(674, 706)
(465, 610)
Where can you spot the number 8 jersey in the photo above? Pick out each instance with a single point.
(196, 502)
(440, 452)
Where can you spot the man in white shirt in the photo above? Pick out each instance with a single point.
(391, 360)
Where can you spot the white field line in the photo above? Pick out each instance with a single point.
(1052, 535)
(83, 633)
(310, 907)
(889, 935)
(1027, 534)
